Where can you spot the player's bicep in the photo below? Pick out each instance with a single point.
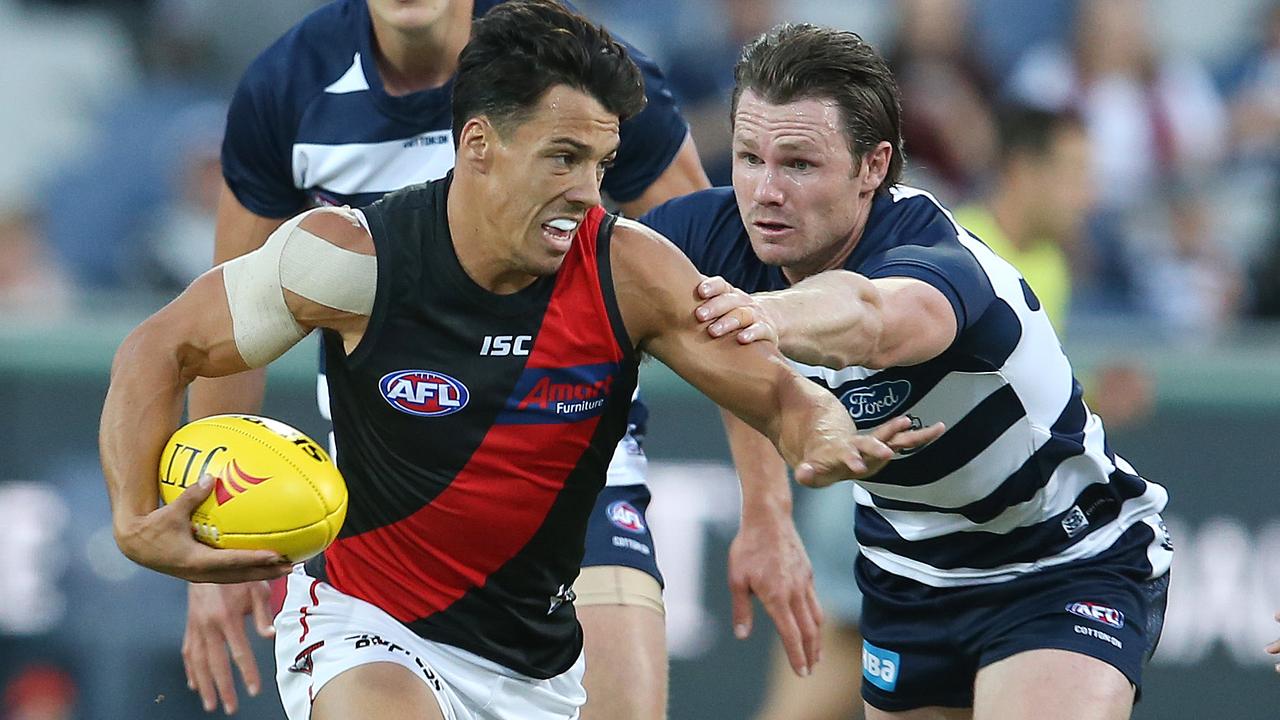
(196, 330)
(317, 270)
(919, 322)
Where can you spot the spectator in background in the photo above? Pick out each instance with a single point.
(1149, 117)
(1004, 30)
(949, 133)
(99, 205)
(1255, 103)
(178, 246)
(701, 78)
(61, 68)
(32, 286)
(1041, 192)
(1190, 284)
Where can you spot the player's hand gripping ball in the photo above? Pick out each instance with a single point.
(274, 488)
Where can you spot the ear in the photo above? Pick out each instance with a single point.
(875, 166)
(476, 143)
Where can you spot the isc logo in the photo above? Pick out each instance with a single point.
(424, 393)
(1101, 613)
(502, 345)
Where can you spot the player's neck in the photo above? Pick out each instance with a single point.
(478, 243)
(424, 58)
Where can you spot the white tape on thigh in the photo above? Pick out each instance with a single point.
(300, 262)
(618, 585)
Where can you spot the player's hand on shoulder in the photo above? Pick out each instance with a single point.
(833, 457)
(163, 541)
(215, 637)
(728, 310)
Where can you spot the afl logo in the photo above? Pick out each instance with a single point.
(1101, 613)
(624, 515)
(424, 393)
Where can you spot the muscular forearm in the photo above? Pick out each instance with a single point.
(143, 407)
(807, 416)
(239, 393)
(832, 319)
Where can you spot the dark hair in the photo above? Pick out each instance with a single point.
(522, 48)
(801, 61)
(1028, 130)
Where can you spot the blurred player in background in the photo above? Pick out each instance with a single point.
(449, 592)
(1014, 568)
(353, 103)
(1040, 198)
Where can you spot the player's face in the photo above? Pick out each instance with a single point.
(1067, 174)
(409, 15)
(797, 184)
(546, 174)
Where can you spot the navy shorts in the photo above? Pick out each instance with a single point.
(926, 651)
(618, 533)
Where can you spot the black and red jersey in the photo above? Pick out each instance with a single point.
(474, 431)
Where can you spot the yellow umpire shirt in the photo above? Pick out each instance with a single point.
(1042, 263)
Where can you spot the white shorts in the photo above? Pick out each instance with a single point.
(321, 633)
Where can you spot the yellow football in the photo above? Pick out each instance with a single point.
(274, 487)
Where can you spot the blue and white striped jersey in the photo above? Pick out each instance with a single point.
(310, 123)
(1023, 478)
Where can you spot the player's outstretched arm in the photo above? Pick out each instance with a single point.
(837, 319)
(239, 315)
(656, 286)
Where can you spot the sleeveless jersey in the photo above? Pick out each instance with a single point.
(1023, 478)
(474, 430)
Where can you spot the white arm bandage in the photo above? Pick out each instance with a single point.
(303, 263)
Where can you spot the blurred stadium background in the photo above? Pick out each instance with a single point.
(1166, 274)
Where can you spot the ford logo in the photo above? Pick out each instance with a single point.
(876, 402)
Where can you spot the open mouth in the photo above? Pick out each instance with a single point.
(770, 227)
(560, 231)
